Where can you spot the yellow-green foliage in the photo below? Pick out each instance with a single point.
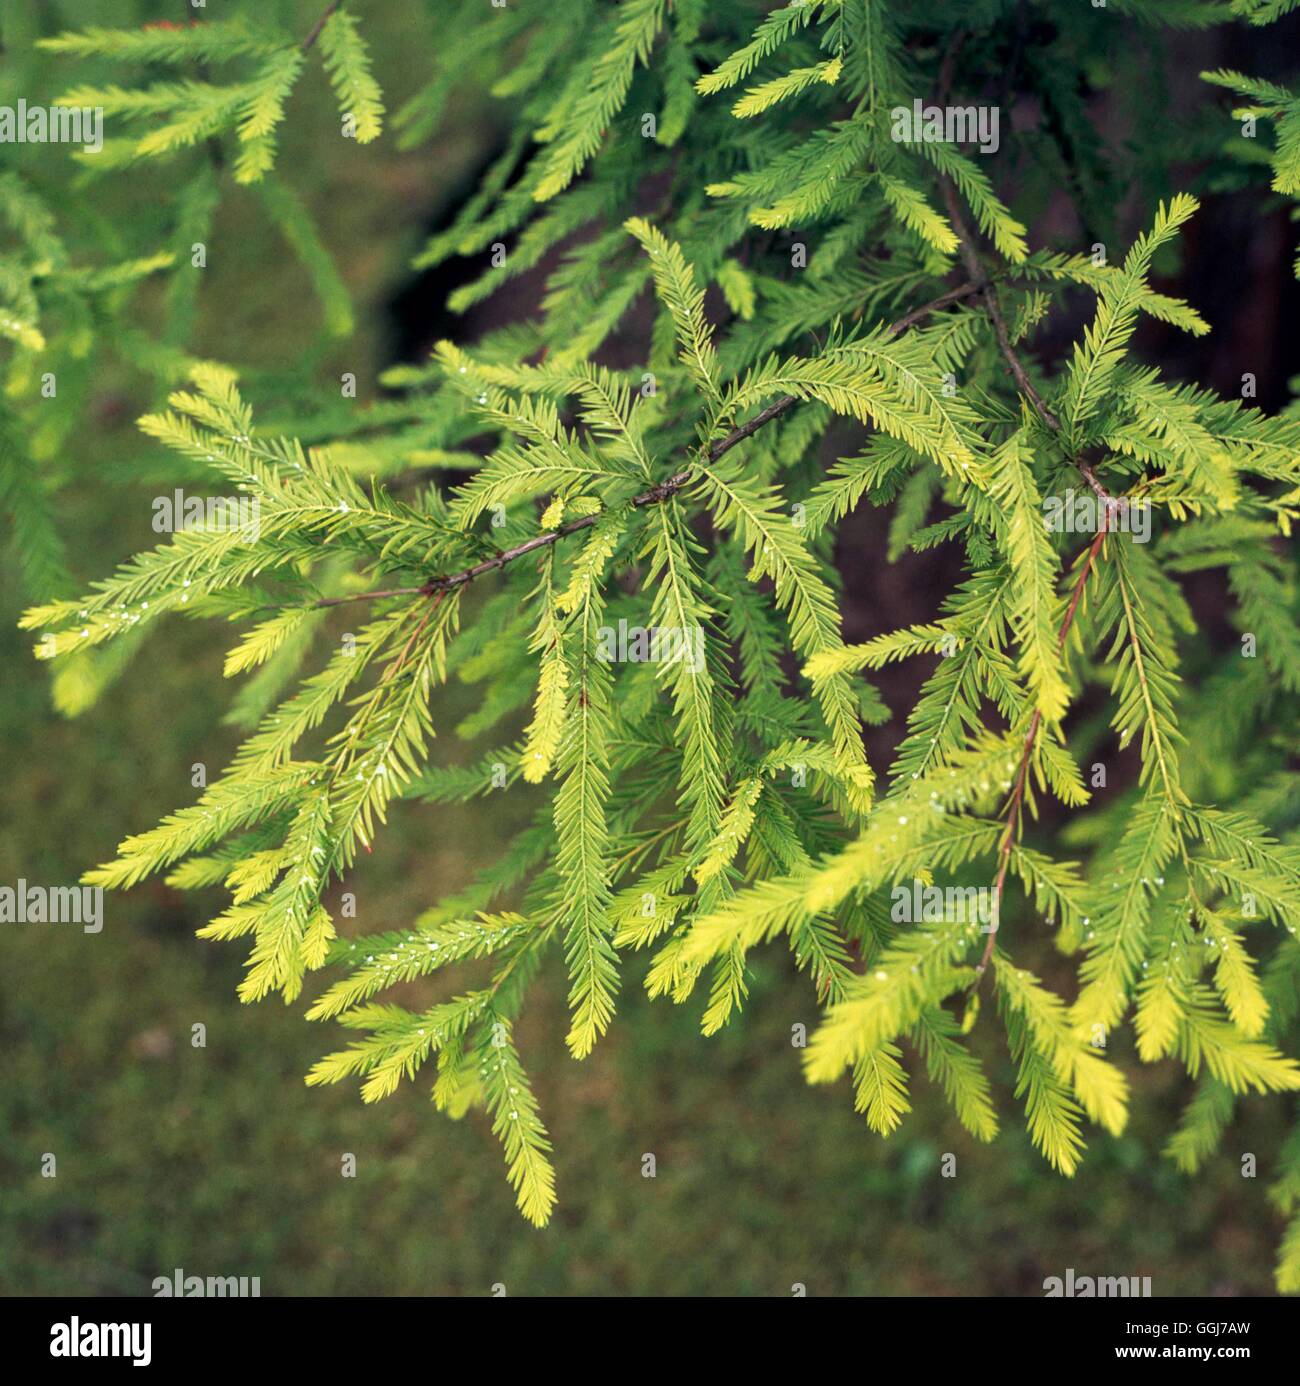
(619, 516)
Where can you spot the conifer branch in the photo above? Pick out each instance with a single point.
(987, 295)
(1014, 807)
(740, 563)
(659, 492)
(973, 261)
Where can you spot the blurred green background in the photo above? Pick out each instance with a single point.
(221, 1162)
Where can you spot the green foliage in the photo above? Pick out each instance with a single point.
(194, 111)
(1271, 102)
(635, 567)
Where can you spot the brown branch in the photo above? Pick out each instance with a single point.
(975, 268)
(309, 41)
(360, 597)
(1090, 476)
(1014, 362)
(659, 492)
(948, 65)
(966, 290)
(1016, 803)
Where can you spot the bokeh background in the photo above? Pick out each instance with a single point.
(221, 1162)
